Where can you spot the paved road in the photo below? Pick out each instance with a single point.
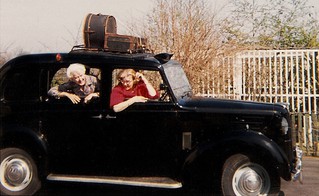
(310, 186)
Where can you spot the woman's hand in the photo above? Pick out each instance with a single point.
(89, 97)
(137, 99)
(150, 88)
(74, 98)
(123, 105)
(140, 76)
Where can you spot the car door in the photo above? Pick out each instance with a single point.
(142, 140)
(146, 138)
(91, 139)
(70, 131)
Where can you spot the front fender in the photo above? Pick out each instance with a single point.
(253, 144)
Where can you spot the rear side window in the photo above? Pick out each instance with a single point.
(21, 85)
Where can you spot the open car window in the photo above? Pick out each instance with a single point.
(61, 81)
(154, 77)
(61, 78)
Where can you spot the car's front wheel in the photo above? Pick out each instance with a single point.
(240, 176)
(18, 173)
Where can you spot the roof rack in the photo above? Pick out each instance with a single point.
(100, 34)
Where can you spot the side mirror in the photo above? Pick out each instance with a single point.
(164, 95)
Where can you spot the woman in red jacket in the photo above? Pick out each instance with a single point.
(133, 87)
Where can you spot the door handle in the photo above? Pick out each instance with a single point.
(110, 117)
(3, 100)
(101, 117)
(98, 117)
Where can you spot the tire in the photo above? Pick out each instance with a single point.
(240, 176)
(18, 173)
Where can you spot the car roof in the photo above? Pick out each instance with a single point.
(84, 56)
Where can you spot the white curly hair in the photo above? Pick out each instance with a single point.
(75, 67)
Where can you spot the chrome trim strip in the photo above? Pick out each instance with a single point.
(155, 182)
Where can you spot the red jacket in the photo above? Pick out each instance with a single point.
(119, 94)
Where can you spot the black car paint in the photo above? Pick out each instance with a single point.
(145, 139)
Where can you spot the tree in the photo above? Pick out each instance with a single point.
(187, 29)
(277, 24)
(6, 56)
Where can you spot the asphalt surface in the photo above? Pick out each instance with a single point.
(309, 187)
(310, 184)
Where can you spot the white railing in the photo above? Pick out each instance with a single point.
(289, 76)
(280, 76)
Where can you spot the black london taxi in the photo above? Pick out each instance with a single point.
(178, 141)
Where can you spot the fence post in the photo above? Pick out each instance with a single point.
(315, 134)
(238, 83)
(294, 128)
(300, 132)
(306, 127)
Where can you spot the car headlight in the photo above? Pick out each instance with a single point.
(284, 126)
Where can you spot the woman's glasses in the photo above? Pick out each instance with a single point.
(126, 79)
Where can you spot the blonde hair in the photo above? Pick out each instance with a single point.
(127, 71)
(131, 72)
(75, 67)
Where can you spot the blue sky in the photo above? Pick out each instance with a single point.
(56, 25)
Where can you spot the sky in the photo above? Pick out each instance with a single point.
(54, 25)
(38, 26)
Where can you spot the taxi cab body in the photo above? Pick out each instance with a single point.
(179, 141)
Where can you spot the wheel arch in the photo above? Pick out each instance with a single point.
(28, 140)
(252, 144)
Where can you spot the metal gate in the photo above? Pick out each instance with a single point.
(289, 76)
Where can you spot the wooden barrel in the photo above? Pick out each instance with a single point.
(94, 29)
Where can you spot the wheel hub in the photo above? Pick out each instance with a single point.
(15, 173)
(251, 180)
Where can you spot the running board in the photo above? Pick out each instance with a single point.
(155, 182)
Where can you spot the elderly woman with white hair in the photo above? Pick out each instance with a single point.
(79, 85)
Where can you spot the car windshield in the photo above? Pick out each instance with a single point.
(177, 80)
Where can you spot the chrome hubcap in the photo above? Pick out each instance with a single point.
(251, 180)
(15, 173)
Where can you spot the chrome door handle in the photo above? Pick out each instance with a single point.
(98, 117)
(110, 117)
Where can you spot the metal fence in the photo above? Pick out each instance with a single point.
(289, 76)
